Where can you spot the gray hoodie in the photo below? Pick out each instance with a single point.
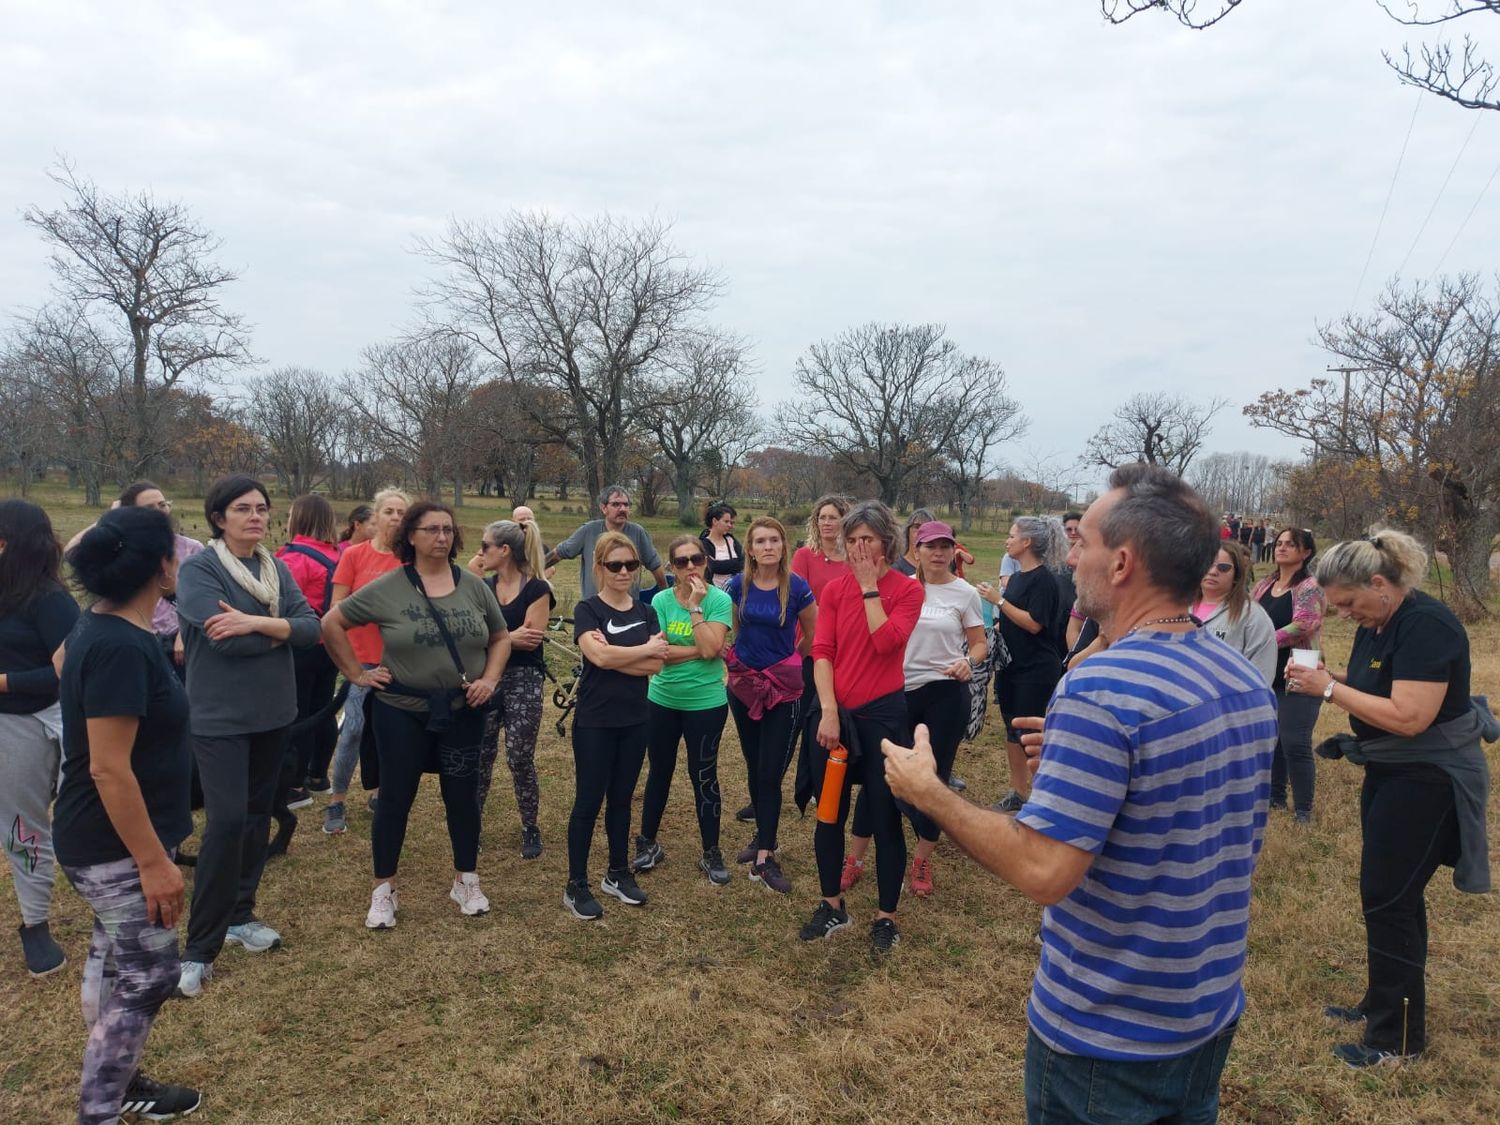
(1253, 634)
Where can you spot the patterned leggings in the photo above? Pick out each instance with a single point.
(131, 970)
(521, 692)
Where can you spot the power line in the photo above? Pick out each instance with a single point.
(1451, 169)
(1458, 233)
(1390, 191)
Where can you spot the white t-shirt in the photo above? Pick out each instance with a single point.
(938, 640)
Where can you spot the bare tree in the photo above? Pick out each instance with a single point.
(584, 308)
(1155, 427)
(27, 437)
(143, 273)
(412, 398)
(509, 446)
(1237, 482)
(986, 424)
(1465, 77)
(1418, 417)
(296, 414)
(705, 403)
(885, 400)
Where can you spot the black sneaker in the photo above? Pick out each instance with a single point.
(157, 1101)
(746, 815)
(581, 902)
(1276, 803)
(298, 798)
(531, 843)
(748, 853)
(826, 920)
(1344, 1015)
(318, 785)
(1010, 803)
(623, 886)
(43, 955)
(1359, 1056)
(884, 936)
(769, 875)
(648, 854)
(712, 865)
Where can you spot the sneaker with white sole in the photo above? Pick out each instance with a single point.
(382, 914)
(623, 886)
(191, 978)
(768, 874)
(157, 1101)
(712, 865)
(467, 894)
(648, 855)
(255, 937)
(335, 820)
(826, 921)
(581, 902)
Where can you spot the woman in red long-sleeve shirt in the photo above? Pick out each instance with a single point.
(864, 619)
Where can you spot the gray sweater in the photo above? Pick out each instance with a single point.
(240, 685)
(1253, 634)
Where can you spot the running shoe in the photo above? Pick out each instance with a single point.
(826, 920)
(746, 815)
(318, 785)
(884, 936)
(1359, 1056)
(467, 894)
(156, 1101)
(581, 902)
(623, 886)
(335, 822)
(191, 978)
(769, 875)
(531, 842)
(298, 798)
(1303, 817)
(255, 937)
(1010, 803)
(920, 879)
(712, 865)
(383, 905)
(957, 784)
(648, 854)
(853, 870)
(43, 955)
(748, 853)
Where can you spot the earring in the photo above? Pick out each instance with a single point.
(1385, 599)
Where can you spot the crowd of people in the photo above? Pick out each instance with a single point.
(1156, 702)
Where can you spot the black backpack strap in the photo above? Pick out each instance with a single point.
(437, 618)
(330, 565)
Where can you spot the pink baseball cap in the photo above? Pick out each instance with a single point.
(934, 529)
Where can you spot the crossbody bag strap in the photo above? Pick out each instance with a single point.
(437, 619)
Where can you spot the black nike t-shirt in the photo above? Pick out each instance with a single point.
(1423, 641)
(607, 698)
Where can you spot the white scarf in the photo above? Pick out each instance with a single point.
(267, 588)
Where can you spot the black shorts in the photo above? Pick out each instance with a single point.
(1021, 700)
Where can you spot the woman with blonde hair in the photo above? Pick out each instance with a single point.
(821, 556)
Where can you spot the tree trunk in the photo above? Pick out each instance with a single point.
(682, 483)
(1473, 543)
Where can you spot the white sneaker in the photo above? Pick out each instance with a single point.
(256, 937)
(382, 915)
(467, 894)
(190, 980)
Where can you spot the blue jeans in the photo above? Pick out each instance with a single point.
(346, 750)
(1063, 1088)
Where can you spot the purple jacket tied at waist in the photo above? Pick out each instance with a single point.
(761, 689)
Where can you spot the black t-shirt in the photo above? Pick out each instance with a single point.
(113, 669)
(515, 616)
(1086, 636)
(1034, 657)
(1279, 610)
(607, 698)
(28, 638)
(1422, 641)
(1067, 594)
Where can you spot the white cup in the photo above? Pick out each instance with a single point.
(1305, 657)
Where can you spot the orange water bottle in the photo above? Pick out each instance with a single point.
(833, 784)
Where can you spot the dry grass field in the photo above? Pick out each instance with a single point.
(704, 1006)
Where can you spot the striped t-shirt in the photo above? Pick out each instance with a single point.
(1157, 759)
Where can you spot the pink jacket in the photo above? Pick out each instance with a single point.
(312, 577)
(1308, 607)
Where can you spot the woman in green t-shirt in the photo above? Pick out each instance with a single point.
(687, 702)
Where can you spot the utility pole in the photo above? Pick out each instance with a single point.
(1344, 420)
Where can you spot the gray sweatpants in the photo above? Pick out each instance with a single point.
(29, 756)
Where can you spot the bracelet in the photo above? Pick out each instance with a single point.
(871, 594)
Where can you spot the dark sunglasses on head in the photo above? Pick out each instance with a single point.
(682, 562)
(1222, 568)
(630, 566)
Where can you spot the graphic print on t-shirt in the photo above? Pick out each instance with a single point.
(462, 621)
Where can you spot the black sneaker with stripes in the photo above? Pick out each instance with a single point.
(156, 1101)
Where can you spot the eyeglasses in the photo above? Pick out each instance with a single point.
(682, 562)
(437, 531)
(249, 509)
(629, 566)
(1222, 568)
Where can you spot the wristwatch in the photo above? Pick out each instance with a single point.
(698, 609)
(1328, 689)
(871, 594)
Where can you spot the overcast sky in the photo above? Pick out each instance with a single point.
(1101, 209)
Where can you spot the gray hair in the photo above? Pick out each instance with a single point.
(915, 520)
(1049, 543)
(1167, 523)
(879, 519)
(1394, 555)
(613, 490)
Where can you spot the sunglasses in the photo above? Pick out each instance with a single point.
(682, 562)
(1222, 568)
(629, 566)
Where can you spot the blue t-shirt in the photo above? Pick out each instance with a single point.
(1157, 759)
(763, 638)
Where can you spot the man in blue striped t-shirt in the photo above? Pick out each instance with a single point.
(1142, 829)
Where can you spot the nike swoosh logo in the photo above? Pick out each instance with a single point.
(609, 627)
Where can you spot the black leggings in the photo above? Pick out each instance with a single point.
(607, 764)
(1410, 827)
(880, 718)
(701, 730)
(316, 679)
(406, 749)
(768, 744)
(944, 706)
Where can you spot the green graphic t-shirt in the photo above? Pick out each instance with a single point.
(693, 685)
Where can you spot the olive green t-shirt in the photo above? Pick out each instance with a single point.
(693, 685)
(414, 649)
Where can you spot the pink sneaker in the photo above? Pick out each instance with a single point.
(921, 877)
(853, 870)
